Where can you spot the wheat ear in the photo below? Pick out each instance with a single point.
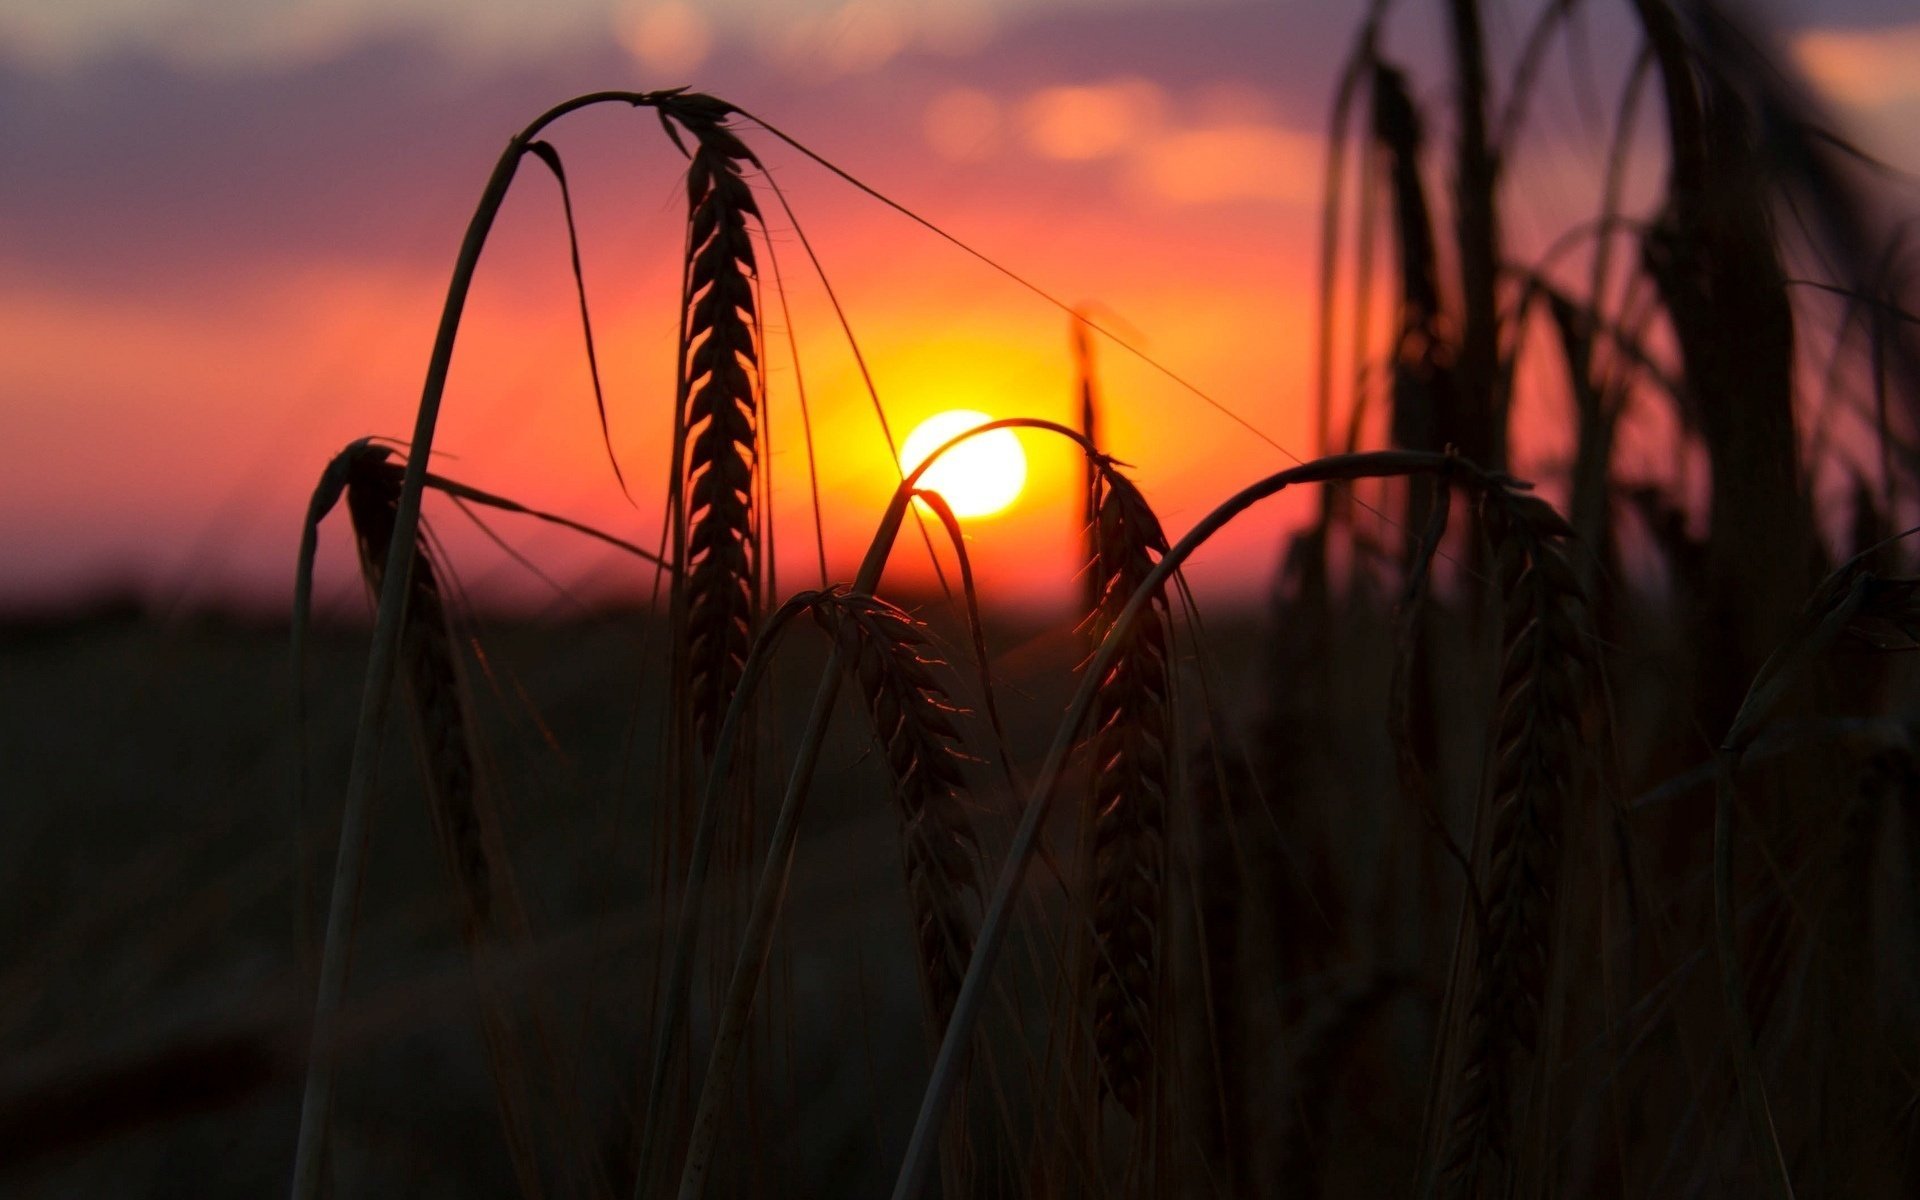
(1544, 661)
(431, 671)
(719, 420)
(886, 655)
(1130, 756)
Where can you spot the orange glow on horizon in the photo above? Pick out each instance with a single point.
(979, 477)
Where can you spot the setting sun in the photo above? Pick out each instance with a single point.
(980, 476)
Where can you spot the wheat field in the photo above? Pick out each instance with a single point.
(1535, 836)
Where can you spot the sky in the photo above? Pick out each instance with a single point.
(226, 228)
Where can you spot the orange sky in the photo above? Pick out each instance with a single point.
(218, 268)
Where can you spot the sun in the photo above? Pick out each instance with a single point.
(979, 477)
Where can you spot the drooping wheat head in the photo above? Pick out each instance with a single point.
(913, 719)
(431, 671)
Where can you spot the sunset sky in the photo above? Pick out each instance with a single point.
(226, 228)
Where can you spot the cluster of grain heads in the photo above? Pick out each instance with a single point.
(1546, 670)
(887, 657)
(717, 425)
(1130, 746)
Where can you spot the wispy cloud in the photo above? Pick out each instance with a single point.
(1214, 146)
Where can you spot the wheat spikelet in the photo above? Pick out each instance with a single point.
(1544, 653)
(719, 423)
(913, 720)
(1130, 748)
(431, 671)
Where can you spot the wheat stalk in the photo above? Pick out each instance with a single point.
(1853, 606)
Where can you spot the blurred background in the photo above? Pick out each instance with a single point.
(227, 229)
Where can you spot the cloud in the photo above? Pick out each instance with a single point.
(1874, 76)
(1865, 67)
(1217, 146)
(668, 37)
(203, 193)
(1092, 121)
(1229, 163)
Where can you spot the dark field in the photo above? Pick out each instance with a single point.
(158, 967)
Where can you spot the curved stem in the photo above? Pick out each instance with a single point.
(757, 941)
(350, 861)
(993, 928)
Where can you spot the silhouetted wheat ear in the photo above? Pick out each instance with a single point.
(1545, 661)
(1130, 755)
(913, 719)
(431, 671)
(720, 421)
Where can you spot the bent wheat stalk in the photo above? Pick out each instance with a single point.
(756, 942)
(994, 925)
(377, 691)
